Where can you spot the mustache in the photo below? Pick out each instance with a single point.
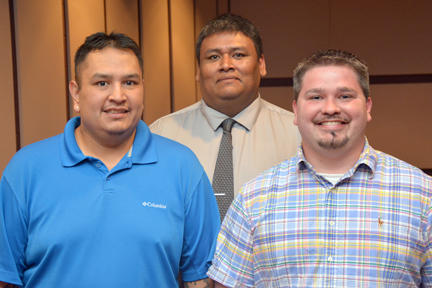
(332, 118)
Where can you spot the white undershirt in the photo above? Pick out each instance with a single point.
(333, 178)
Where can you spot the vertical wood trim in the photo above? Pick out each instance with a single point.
(15, 74)
(139, 27)
(170, 57)
(66, 57)
(105, 16)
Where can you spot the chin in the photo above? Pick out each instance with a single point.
(334, 143)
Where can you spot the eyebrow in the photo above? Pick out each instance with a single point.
(339, 89)
(219, 50)
(109, 76)
(345, 89)
(314, 90)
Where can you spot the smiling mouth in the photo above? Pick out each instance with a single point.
(330, 123)
(115, 111)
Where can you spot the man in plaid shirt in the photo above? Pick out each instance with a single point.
(338, 213)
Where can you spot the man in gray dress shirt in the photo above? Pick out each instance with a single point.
(230, 66)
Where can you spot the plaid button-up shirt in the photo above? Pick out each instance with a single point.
(290, 227)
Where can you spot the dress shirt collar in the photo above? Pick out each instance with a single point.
(368, 158)
(246, 118)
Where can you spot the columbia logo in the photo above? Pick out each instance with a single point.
(153, 205)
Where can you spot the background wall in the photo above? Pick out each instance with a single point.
(38, 42)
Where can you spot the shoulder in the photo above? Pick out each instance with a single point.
(173, 151)
(271, 180)
(176, 117)
(275, 110)
(388, 162)
(401, 172)
(44, 149)
(32, 159)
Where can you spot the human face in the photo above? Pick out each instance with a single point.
(331, 111)
(110, 99)
(229, 72)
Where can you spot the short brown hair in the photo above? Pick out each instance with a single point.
(331, 57)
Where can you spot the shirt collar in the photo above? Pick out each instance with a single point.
(144, 148)
(368, 158)
(247, 118)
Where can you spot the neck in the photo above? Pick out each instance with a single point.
(231, 107)
(110, 152)
(338, 161)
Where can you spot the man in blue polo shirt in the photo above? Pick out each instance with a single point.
(106, 203)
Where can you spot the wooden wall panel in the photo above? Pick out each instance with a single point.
(223, 6)
(291, 30)
(84, 17)
(394, 37)
(7, 117)
(182, 51)
(205, 10)
(41, 71)
(401, 122)
(123, 17)
(280, 96)
(155, 49)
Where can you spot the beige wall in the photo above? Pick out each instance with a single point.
(7, 117)
(394, 37)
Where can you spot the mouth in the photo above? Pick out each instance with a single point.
(115, 110)
(332, 122)
(227, 78)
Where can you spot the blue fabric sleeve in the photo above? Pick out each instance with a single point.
(12, 235)
(202, 222)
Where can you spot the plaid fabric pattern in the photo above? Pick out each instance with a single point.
(290, 227)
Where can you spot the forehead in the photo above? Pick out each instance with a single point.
(110, 58)
(227, 39)
(331, 76)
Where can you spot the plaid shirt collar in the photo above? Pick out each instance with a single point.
(368, 158)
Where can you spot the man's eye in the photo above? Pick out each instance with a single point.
(238, 55)
(102, 83)
(129, 83)
(315, 97)
(213, 57)
(346, 96)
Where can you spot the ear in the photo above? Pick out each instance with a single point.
(143, 100)
(74, 91)
(294, 105)
(262, 66)
(368, 109)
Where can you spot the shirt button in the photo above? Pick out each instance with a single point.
(332, 223)
(98, 165)
(108, 178)
(330, 258)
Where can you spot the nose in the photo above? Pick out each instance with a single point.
(331, 106)
(117, 93)
(226, 63)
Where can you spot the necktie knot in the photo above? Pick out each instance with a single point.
(227, 124)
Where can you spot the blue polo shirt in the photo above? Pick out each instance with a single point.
(66, 221)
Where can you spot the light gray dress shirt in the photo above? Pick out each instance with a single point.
(263, 136)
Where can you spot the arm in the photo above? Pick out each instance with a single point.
(203, 283)
(6, 285)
